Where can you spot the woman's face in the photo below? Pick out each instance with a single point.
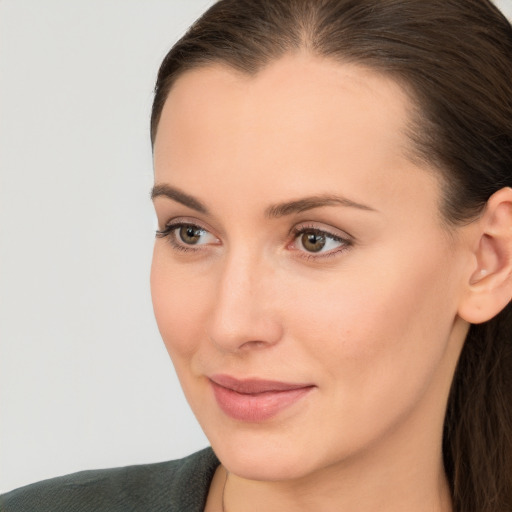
(304, 284)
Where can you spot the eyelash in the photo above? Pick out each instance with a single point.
(169, 233)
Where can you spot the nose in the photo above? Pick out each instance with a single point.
(244, 315)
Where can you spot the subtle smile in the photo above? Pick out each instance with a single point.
(255, 400)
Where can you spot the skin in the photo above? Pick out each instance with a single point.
(373, 322)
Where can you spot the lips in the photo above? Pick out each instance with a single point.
(255, 400)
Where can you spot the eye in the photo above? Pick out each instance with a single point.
(190, 235)
(184, 235)
(315, 241)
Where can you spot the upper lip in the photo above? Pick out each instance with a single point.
(255, 385)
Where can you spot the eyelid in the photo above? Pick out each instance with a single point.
(323, 228)
(177, 221)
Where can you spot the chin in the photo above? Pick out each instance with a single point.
(263, 456)
(264, 466)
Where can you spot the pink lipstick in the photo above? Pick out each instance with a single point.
(255, 400)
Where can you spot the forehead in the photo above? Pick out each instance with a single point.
(294, 91)
(301, 122)
(297, 87)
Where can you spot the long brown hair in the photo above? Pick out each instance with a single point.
(454, 58)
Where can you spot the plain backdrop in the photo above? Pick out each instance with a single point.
(85, 381)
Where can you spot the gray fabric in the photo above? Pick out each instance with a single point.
(174, 486)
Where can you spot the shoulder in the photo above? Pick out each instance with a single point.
(166, 486)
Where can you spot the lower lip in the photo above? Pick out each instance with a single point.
(256, 407)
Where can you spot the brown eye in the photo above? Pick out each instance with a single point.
(313, 242)
(184, 236)
(190, 235)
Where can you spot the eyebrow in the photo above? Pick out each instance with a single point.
(308, 203)
(273, 211)
(179, 196)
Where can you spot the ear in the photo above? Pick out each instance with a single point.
(489, 287)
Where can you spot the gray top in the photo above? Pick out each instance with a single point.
(173, 486)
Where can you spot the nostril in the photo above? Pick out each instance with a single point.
(249, 345)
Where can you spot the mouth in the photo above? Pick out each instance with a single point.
(255, 400)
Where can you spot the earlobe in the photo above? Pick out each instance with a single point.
(489, 287)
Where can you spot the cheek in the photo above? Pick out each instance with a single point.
(375, 340)
(179, 299)
(378, 335)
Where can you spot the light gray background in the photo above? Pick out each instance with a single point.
(85, 381)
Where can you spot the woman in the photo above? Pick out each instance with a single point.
(332, 269)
